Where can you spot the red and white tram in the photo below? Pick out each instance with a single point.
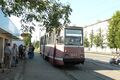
(66, 48)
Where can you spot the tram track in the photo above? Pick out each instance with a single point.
(107, 66)
(72, 75)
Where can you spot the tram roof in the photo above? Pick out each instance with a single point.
(78, 27)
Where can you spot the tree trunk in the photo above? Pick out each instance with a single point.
(116, 50)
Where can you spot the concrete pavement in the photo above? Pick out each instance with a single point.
(12, 74)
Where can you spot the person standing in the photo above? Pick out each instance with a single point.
(20, 51)
(31, 51)
(24, 52)
(14, 54)
(7, 54)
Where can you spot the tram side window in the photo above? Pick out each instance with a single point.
(49, 40)
(41, 41)
(60, 40)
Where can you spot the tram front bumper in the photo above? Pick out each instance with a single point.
(74, 60)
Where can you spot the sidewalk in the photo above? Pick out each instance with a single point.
(13, 74)
(101, 53)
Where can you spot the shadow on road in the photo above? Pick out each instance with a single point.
(92, 66)
(88, 71)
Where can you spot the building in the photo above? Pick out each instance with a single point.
(94, 29)
(8, 32)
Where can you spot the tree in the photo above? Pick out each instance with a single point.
(50, 13)
(91, 38)
(26, 38)
(86, 42)
(114, 31)
(36, 44)
(98, 39)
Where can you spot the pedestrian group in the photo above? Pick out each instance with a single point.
(13, 54)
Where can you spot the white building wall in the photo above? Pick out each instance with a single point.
(8, 31)
(104, 27)
(18, 42)
(7, 25)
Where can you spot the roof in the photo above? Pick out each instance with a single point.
(7, 27)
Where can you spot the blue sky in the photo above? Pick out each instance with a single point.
(86, 12)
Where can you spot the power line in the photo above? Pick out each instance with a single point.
(97, 23)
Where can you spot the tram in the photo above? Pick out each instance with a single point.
(65, 47)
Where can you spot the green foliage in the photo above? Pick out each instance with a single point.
(58, 13)
(50, 13)
(98, 39)
(36, 44)
(27, 40)
(114, 31)
(91, 38)
(86, 42)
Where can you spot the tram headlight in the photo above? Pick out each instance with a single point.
(65, 50)
(82, 55)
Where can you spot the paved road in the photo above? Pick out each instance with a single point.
(111, 70)
(99, 57)
(39, 69)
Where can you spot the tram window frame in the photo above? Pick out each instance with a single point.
(41, 41)
(69, 31)
(60, 40)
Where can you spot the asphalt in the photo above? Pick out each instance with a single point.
(16, 73)
(39, 69)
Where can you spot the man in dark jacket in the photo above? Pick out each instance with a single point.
(20, 51)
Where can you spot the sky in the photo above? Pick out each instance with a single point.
(86, 12)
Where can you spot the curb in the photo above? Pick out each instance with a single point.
(100, 53)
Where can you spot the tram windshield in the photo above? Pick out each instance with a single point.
(73, 37)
